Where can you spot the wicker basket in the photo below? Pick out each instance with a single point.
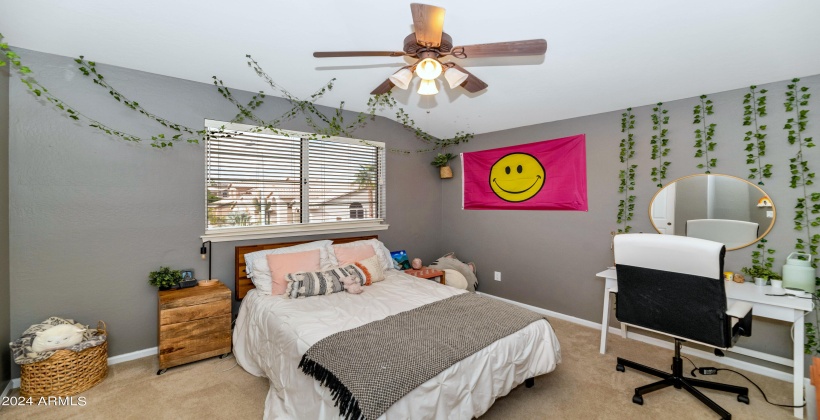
(66, 372)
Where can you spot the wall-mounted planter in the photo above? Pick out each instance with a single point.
(445, 172)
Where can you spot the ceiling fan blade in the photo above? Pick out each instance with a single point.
(472, 84)
(428, 22)
(501, 49)
(383, 88)
(325, 54)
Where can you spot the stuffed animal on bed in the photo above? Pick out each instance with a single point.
(466, 272)
(57, 337)
(351, 285)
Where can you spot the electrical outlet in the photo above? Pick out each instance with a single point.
(497, 276)
(769, 214)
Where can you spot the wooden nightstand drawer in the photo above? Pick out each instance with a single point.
(194, 324)
(194, 312)
(195, 340)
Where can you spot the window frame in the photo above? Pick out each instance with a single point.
(235, 233)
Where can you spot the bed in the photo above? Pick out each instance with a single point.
(272, 334)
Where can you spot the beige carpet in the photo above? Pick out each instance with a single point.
(586, 385)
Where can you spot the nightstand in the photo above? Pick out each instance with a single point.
(427, 273)
(194, 324)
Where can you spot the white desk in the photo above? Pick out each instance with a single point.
(789, 309)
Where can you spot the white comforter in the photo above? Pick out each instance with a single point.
(272, 333)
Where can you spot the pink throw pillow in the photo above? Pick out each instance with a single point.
(347, 255)
(284, 264)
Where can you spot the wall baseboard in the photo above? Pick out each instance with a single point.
(134, 355)
(556, 315)
(749, 367)
(127, 357)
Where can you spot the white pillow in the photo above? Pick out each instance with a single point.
(381, 251)
(258, 270)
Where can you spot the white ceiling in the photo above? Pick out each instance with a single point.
(603, 55)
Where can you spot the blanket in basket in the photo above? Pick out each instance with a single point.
(370, 367)
(21, 348)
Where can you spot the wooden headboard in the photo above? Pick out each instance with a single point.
(242, 284)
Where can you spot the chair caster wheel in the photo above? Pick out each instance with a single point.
(637, 399)
(743, 398)
(161, 371)
(619, 367)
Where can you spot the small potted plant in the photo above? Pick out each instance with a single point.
(761, 274)
(442, 161)
(164, 278)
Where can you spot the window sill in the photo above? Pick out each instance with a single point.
(248, 233)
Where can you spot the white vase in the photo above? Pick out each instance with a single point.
(759, 281)
(777, 284)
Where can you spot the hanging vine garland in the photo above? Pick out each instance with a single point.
(626, 205)
(763, 257)
(704, 136)
(807, 209)
(660, 144)
(89, 68)
(754, 107)
(67, 110)
(323, 125)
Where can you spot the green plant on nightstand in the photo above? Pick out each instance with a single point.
(164, 278)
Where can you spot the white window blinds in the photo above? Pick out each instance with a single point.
(344, 181)
(262, 179)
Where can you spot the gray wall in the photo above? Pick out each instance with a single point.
(5, 296)
(92, 215)
(549, 258)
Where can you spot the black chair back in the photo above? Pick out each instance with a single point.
(674, 285)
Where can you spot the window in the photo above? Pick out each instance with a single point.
(264, 184)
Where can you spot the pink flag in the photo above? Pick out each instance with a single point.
(547, 175)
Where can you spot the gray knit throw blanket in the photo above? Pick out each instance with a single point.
(371, 367)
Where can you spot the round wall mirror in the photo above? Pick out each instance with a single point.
(719, 208)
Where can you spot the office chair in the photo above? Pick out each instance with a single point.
(674, 285)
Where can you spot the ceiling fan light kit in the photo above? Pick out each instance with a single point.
(428, 69)
(429, 44)
(428, 87)
(402, 78)
(454, 77)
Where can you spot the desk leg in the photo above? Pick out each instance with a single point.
(799, 336)
(605, 321)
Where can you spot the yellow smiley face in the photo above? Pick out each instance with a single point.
(517, 177)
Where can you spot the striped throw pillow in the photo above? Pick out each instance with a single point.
(319, 283)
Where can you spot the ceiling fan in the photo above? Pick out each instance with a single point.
(429, 44)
